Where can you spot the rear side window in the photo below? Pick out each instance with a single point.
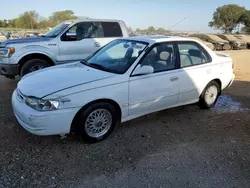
(111, 29)
(192, 54)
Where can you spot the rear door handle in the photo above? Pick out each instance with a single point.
(174, 78)
(97, 44)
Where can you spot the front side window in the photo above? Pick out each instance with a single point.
(117, 56)
(111, 29)
(83, 30)
(192, 54)
(161, 58)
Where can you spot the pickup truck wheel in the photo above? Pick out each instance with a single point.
(33, 65)
(96, 122)
(209, 95)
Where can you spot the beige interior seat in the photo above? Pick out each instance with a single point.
(162, 63)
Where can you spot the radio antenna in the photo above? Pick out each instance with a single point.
(177, 24)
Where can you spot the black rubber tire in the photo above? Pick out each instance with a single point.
(80, 121)
(248, 45)
(33, 62)
(202, 102)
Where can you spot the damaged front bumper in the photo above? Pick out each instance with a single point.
(42, 123)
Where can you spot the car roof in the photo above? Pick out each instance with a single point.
(155, 39)
(92, 20)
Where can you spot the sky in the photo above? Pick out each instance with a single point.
(135, 13)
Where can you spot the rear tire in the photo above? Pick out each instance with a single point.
(33, 65)
(248, 45)
(96, 122)
(210, 95)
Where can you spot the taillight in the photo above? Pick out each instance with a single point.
(232, 65)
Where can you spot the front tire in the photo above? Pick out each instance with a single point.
(33, 65)
(210, 95)
(96, 122)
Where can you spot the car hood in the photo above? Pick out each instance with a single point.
(24, 40)
(49, 80)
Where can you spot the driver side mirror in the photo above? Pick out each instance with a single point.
(143, 70)
(70, 36)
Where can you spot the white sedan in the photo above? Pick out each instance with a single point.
(125, 79)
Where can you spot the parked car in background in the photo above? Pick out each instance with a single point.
(15, 35)
(219, 43)
(32, 34)
(208, 44)
(236, 44)
(125, 79)
(245, 38)
(2, 36)
(69, 41)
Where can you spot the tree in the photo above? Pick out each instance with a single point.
(138, 30)
(245, 19)
(60, 16)
(43, 24)
(2, 23)
(11, 23)
(27, 20)
(151, 29)
(32, 20)
(162, 31)
(227, 17)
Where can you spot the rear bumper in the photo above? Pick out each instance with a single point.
(9, 69)
(231, 81)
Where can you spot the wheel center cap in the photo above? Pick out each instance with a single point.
(99, 123)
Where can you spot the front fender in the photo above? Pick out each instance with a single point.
(79, 96)
(36, 49)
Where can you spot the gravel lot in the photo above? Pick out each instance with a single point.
(181, 147)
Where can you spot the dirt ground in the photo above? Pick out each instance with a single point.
(241, 68)
(181, 147)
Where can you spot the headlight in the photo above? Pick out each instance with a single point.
(7, 51)
(4, 52)
(41, 104)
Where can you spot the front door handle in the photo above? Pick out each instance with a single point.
(174, 78)
(97, 44)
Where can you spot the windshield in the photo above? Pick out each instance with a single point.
(117, 56)
(231, 37)
(216, 38)
(57, 30)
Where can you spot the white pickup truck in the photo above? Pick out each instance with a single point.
(69, 41)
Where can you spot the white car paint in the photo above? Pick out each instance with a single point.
(76, 85)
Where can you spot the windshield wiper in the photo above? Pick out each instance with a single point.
(84, 62)
(98, 66)
(94, 65)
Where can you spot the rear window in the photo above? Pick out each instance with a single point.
(192, 54)
(111, 29)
